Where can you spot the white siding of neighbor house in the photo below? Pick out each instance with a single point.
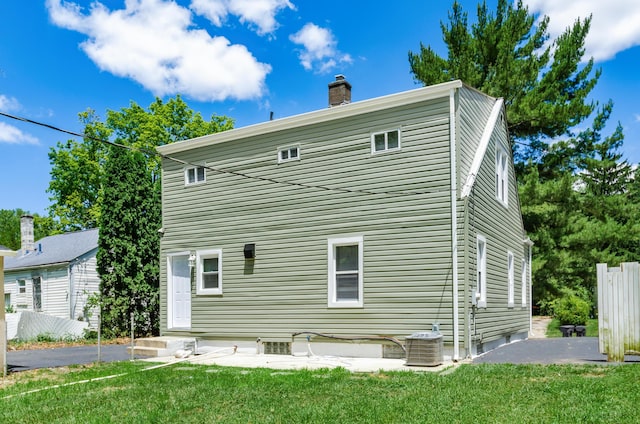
(84, 282)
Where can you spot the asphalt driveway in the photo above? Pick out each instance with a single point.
(562, 350)
(21, 360)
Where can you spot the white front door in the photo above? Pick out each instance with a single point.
(179, 279)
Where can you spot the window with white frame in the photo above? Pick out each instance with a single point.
(502, 176)
(194, 175)
(289, 153)
(385, 141)
(511, 279)
(209, 272)
(524, 282)
(481, 272)
(345, 258)
(22, 286)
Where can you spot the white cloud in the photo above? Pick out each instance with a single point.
(12, 135)
(153, 43)
(8, 103)
(258, 13)
(614, 25)
(319, 49)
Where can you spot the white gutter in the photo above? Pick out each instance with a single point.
(454, 223)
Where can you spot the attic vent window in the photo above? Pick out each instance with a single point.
(288, 153)
(385, 141)
(194, 175)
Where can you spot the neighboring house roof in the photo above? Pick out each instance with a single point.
(61, 248)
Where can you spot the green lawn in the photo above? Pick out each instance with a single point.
(197, 394)
(554, 328)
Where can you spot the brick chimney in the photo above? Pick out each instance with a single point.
(27, 243)
(339, 92)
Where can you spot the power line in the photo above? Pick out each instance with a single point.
(225, 171)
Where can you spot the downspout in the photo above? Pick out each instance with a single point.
(466, 291)
(454, 223)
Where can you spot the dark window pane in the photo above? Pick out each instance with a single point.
(379, 142)
(200, 174)
(210, 265)
(210, 281)
(347, 287)
(347, 258)
(293, 152)
(284, 154)
(392, 140)
(191, 176)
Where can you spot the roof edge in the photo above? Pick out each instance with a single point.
(482, 148)
(317, 116)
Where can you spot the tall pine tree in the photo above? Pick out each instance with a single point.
(128, 246)
(506, 55)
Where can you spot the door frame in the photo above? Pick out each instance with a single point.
(170, 292)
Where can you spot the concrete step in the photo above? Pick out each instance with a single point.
(161, 346)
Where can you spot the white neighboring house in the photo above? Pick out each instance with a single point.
(54, 275)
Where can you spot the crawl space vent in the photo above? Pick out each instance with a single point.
(277, 348)
(424, 349)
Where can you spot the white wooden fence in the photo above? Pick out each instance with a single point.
(619, 310)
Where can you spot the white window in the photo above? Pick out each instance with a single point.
(511, 277)
(481, 264)
(22, 286)
(345, 259)
(502, 176)
(288, 153)
(194, 175)
(524, 282)
(209, 272)
(385, 141)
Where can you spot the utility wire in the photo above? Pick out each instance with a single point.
(225, 171)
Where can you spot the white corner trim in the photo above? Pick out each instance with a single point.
(482, 148)
(454, 223)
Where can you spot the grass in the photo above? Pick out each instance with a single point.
(197, 393)
(553, 330)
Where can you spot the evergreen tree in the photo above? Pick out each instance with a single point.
(128, 246)
(506, 55)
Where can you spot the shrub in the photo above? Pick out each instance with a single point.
(571, 309)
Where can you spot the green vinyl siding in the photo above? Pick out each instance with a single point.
(502, 227)
(398, 202)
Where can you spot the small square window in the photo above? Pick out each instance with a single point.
(288, 153)
(194, 175)
(385, 141)
(209, 272)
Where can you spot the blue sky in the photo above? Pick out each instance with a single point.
(243, 59)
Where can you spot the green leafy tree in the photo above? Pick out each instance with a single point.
(76, 176)
(77, 167)
(10, 227)
(506, 55)
(128, 246)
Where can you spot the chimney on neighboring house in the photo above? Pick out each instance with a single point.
(339, 91)
(27, 244)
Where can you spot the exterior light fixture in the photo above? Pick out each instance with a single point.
(250, 251)
(192, 261)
